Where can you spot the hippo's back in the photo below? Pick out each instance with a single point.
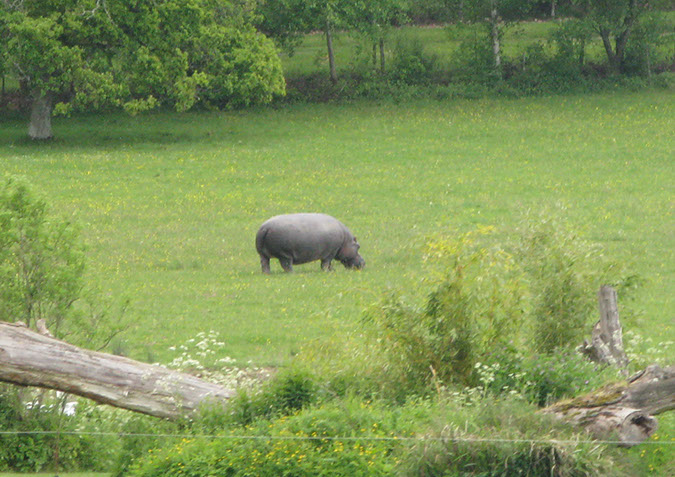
(301, 237)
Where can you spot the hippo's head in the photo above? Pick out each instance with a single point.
(358, 262)
(349, 255)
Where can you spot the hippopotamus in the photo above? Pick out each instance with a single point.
(303, 238)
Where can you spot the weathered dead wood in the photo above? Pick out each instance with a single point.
(606, 344)
(31, 359)
(624, 410)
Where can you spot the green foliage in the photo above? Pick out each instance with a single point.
(475, 306)
(616, 22)
(571, 39)
(240, 68)
(565, 273)
(175, 52)
(307, 443)
(288, 392)
(355, 438)
(45, 435)
(651, 33)
(474, 61)
(411, 64)
(540, 379)
(41, 258)
(142, 433)
(502, 438)
(492, 316)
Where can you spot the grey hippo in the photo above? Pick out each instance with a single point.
(303, 238)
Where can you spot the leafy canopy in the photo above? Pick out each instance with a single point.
(139, 54)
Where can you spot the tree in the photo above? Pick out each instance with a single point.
(615, 22)
(41, 258)
(495, 14)
(77, 54)
(286, 20)
(374, 19)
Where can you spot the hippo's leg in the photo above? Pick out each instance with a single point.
(265, 264)
(326, 264)
(286, 264)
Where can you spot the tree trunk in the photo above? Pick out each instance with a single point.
(331, 54)
(494, 34)
(553, 2)
(623, 409)
(606, 346)
(382, 55)
(40, 127)
(611, 55)
(28, 358)
(582, 52)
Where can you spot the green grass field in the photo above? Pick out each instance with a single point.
(54, 474)
(169, 203)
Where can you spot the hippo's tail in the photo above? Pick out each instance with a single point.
(260, 240)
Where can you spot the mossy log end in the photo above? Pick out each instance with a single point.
(625, 410)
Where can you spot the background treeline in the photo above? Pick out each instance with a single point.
(92, 55)
(474, 47)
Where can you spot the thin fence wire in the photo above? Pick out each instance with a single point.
(338, 438)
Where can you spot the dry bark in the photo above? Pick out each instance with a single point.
(606, 346)
(625, 410)
(28, 358)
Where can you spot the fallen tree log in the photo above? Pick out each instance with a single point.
(28, 358)
(624, 410)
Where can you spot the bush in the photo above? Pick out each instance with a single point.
(474, 306)
(410, 63)
(334, 439)
(41, 258)
(288, 392)
(504, 438)
(34, 416)
(643, 51)
(355, 438)
(540, 379)
(565, 273)
(474, 61)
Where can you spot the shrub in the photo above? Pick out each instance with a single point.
(565, 273)
(474, 306)
(502, 438)
(500, 307)
(540, 379)
(34, 416)
(474, 61)
(355, 438)
(570, 39)
(41, 258)
(643, 55)
(287, 392)
(334, 439)
(410, 63)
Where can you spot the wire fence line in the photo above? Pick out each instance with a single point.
(337, 438)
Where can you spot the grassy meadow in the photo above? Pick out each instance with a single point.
(169, 204)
